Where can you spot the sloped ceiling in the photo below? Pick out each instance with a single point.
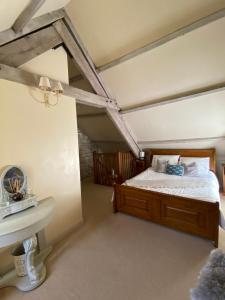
(10, 10)
(95, 123)
(85, 110)
(192, 61)
(110, 29)
(203, 118)
(76, 78)
(99, 128)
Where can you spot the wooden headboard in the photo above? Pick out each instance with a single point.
(211, 153)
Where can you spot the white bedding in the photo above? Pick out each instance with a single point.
(204, 188)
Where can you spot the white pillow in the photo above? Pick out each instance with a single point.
(201, 162)
(172, 159)
(161, 166)
(191, 170)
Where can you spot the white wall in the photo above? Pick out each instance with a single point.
(52, 63)
(44, 142)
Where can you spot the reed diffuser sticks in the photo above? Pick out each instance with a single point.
(15, 185)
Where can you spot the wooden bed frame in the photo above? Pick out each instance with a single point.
(197, 217)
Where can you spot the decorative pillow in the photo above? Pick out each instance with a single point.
(172, 159)
(202, 164)
(161, 166)
(191, 170)
(175, 170)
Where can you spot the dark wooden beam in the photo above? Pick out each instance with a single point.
(32, 80)
(35, 24)
(27, 14)
(26, 48)
(176, 98)
(165, 39)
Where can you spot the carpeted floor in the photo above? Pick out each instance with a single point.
(118, 257)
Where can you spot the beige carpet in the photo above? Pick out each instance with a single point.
(118, 257)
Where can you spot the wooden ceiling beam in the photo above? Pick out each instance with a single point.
(9, 35)
(29, 47)
(32, 80)
(73, 43)
(177, 98)
(120, 124)
(165, 39)
(80, 55)
(79, 42)
(77, 38)
(27, 14)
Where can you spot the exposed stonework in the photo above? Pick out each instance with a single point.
(86, 148)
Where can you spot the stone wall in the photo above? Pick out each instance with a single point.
(86, 148)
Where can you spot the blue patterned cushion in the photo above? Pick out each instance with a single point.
(175, 170)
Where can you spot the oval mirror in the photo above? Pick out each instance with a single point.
(13, 180)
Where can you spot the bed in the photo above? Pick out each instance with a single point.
(162, 202)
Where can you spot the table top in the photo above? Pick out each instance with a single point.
(24, 224)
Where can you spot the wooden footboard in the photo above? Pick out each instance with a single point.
(197, 217)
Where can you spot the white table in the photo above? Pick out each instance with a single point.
(28, 226)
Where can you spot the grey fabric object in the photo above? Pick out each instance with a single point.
(211, 282)
(191, 170)
(161, 166)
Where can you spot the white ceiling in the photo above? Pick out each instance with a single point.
(112, 28)
(192, 61)
(99, 128)
(10, 10)
(201, 117)
(88, 110)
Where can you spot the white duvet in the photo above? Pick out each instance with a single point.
(201, 188)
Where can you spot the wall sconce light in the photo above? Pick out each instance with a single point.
(48, 91)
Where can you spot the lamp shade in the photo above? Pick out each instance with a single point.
(58, 88)
(141, 154)
(44, 84)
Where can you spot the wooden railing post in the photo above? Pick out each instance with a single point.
(121, 162)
